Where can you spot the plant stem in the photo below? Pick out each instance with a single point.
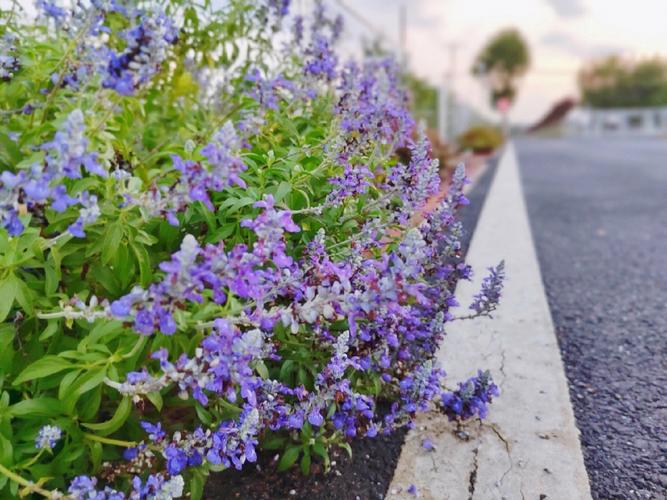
(141, 342)
(24, 482)
(32, 460)
(105, 440)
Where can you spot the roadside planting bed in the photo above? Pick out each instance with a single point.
(207, 250)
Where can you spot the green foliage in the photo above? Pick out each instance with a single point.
(481, 139)
(501, 62)
(423, 99)
(614, 82)
(57, 370)
(53, 370)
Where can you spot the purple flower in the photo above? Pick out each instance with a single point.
(50, 9)
(48, 437)
(67, 152)
(155, 432)
(66, 155)
(487, 300)
(267, 92)
(144, 322)
(177, 460)
(122, 307)
(156, 486)
(427, 444)
(147, 48)
(315, 418)
(166, 322)
(221, 154)
(471, 398)
(9, 63)
(82, 487)
(61, 200)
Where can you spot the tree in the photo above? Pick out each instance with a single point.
(423, 99)
(503, 60)
(614, 82)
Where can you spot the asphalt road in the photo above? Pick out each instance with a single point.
(598, 211)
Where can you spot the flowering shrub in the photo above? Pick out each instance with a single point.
(207, 248)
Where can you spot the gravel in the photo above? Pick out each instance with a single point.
(598, 211)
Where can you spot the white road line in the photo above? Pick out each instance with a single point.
(529, 445)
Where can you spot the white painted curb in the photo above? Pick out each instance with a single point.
(528, 447)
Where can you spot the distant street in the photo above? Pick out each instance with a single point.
(598, 212)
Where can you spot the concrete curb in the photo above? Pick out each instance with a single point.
(528, 447)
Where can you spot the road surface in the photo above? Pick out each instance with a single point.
(598, 211)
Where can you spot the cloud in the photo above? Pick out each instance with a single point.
(567, 8)
(576, 47)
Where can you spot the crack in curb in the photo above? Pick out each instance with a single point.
(502, 366)
(507, 450)
(435, 466)
(472, 477)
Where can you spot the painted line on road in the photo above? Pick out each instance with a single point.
(528, 447)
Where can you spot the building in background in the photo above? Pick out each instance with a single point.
(567, 118)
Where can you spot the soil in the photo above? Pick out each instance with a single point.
(364, 476)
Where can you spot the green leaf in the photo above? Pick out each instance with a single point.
(319, 448)
(156, 399)
(7, 293)
(51, 328)
(274, 442)
(38, 407)
(22, 294)
(115, 422)
(203, 415)
(197, 483)
(262, 370)
(289, 458)
(306, 432)
(7, 333)
(99, 331)
(302, 375)
(43, 367)
(286, 370)
(66, 382)
(144, 261)
(112, 238)
(9, 152)
(146, 239)
(346, 447)
(51, 280)
(86, 382)
(6, 451)
(96, 455)
(283, 190)
(305, 462)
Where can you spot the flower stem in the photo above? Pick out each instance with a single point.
(105, 440)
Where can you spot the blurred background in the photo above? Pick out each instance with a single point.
(585, 62)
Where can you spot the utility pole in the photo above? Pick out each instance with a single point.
(453, 105)
(442, 109)
(402, 38)
(447, 97)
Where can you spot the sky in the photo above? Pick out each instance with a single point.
(562, 35)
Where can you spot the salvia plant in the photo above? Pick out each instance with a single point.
(208, 247)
